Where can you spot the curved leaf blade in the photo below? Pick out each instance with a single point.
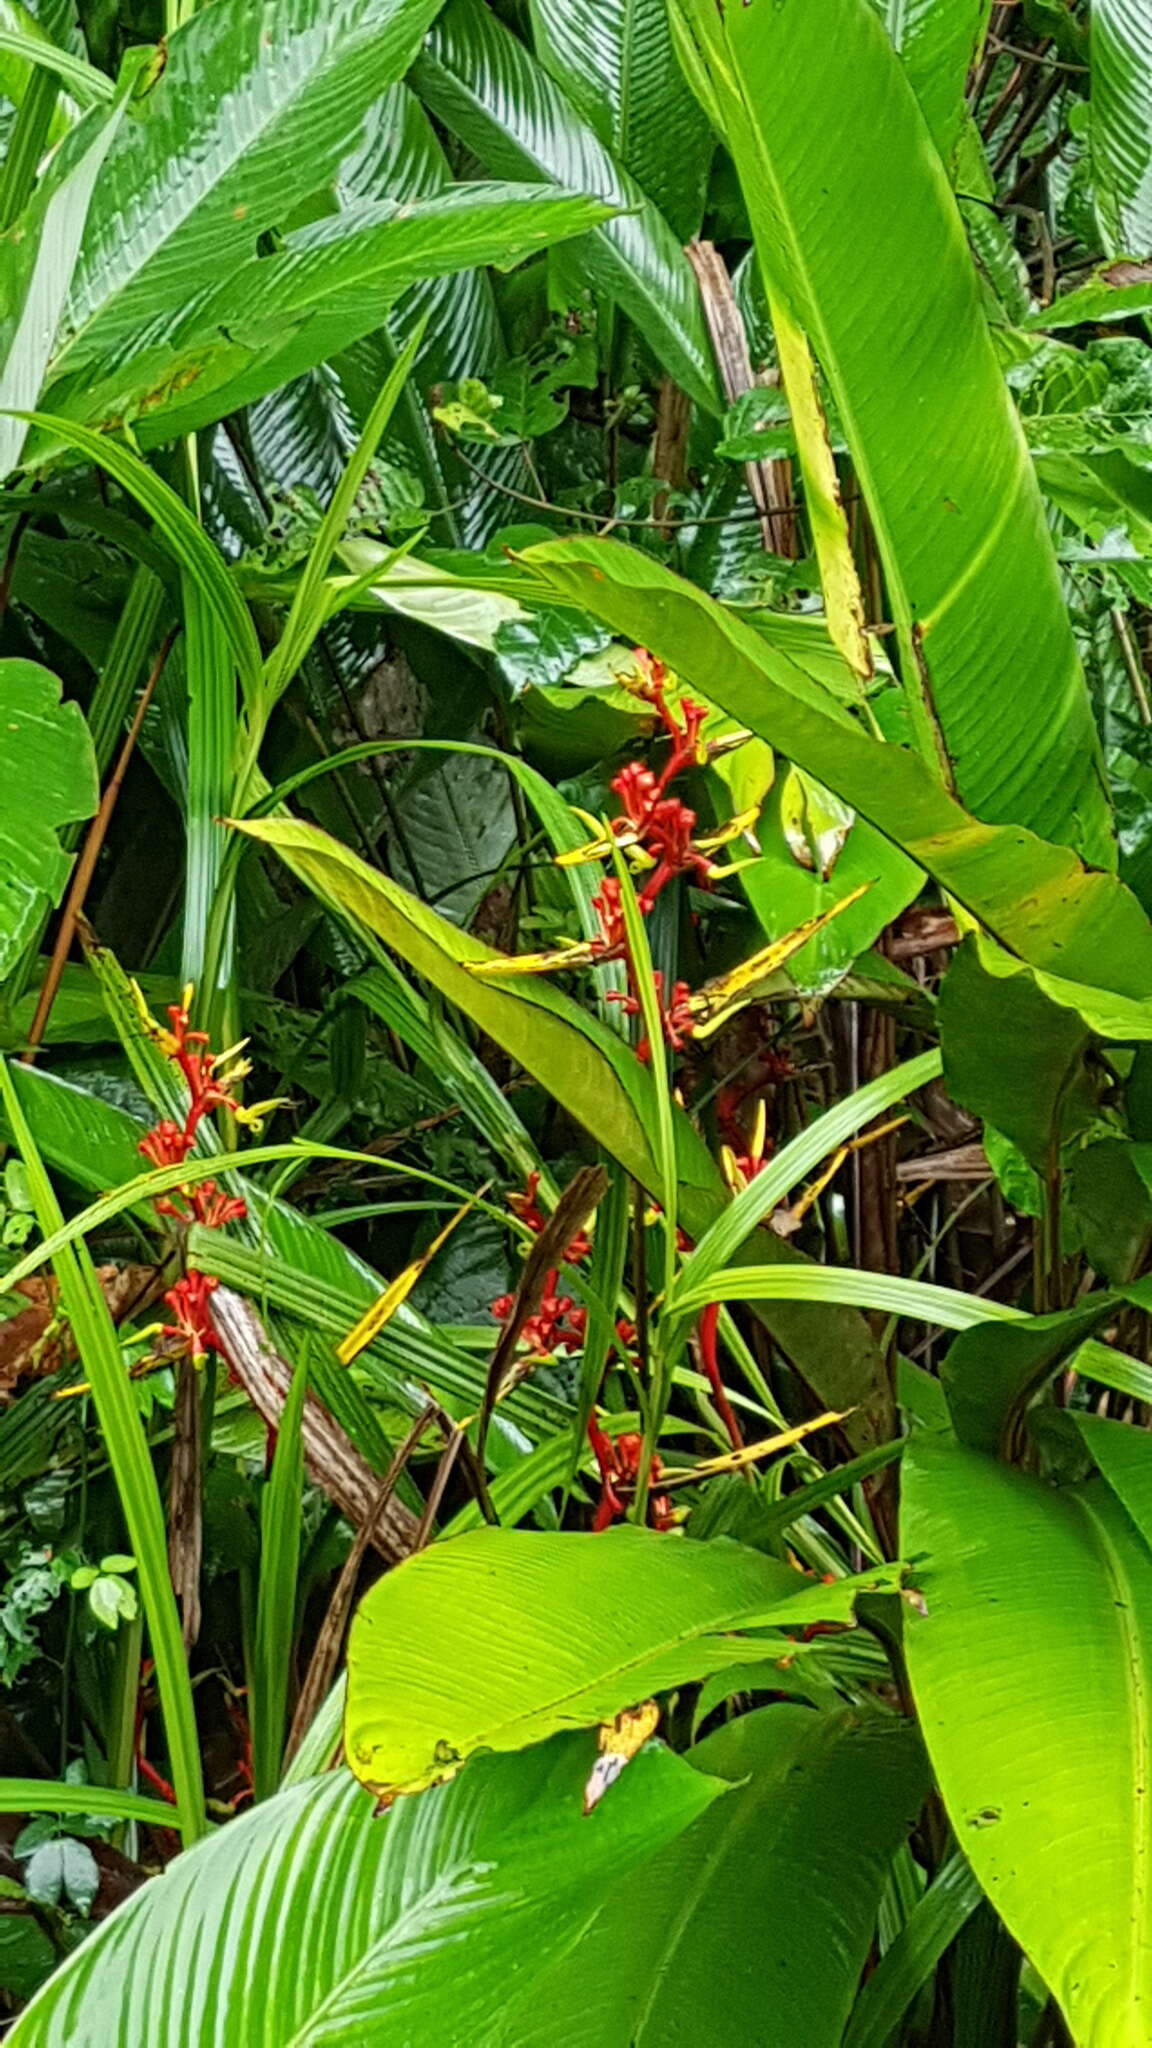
(47, 779)
(1121, 124)
(851, 211)
(501, 1637)
(484, 86)
(314, 1921)
(763, 1911)
(1032, 1676)
(615, 61)
(1036, 898)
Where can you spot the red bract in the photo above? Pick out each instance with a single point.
(676, 1015)
(613, 940)
(527, 1207)
(192, 1327)
(209, 1078)
(619, 1463)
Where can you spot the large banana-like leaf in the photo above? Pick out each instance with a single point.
(502, 1637)
(762, 1912)
(1032, 1676)
(938, 41)
(315, 1921)
(277, 316)
(47, 779)
(486, 87)
(256, 109)
(859, 236)
(1077, 925)
(615, 61)
(1121, 129)
(594, 1074)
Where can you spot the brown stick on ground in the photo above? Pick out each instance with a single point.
(86, 865)
(770, 483)
(331, 1458)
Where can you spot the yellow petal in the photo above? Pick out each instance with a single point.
(575, 953)
(394, 1295)
(712, 1005)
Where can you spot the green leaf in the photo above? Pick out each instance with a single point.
(993, 1371)
(281, 1512)
(615, 62)
(850, 214)
(118, 1413)
(1031, 1677)
(500, 1637)
(763, 1912)
(1075, 923)
(587, 1067)
(47, 779)
(485, 87)
(256, 109)
(596, 1076)
(938, 42)
(40, 1795)
(37, 256)
(1125, 1459)
(1028, 1091)
(908, 1962)
(1121, 53)
(328, 1924)
(324, 289)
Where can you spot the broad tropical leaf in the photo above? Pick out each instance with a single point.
(1036, 898)
(851, 213)
(331, 1924)
(1031, 1675)
(324, 289)
(47, 779)
(256, 109)
(938, 41)
(1121, 47)
(501, 1637)
(615, 61)
(485, 87)
(763, 1911)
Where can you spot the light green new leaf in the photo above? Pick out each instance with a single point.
(47, 779)
(501, 1637)
(1032, 1676)
(615, 61)
(1121, 126)
(852, 212)
(485, 87)
(938, 42)
(1035, 898)
(314, 1921)
(259, 103)
(763, 1912)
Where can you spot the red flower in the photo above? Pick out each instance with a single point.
(192, 1328)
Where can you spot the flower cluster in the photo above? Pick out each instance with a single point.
(619, 1462)
(211, 1079)
(560, 1325)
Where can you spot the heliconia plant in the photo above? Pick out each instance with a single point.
(575, 992)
